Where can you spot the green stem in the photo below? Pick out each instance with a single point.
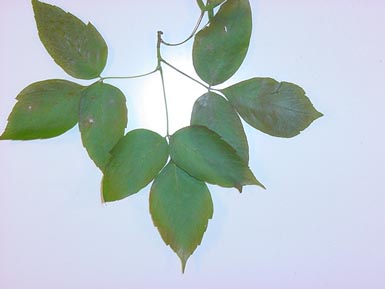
(185, 74)
(190, 36)
(216, 90)
(159, 68)
(129, 77)
(165, 103)
(201, 5)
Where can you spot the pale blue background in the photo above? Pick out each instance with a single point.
(319, 225)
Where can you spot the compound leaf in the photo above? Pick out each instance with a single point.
(44, 109)
(276, 108)
(135, 161)
(102, 120)
(180, 207)
(220, 48)
(76, 47)
(206, 156)
(217, 114)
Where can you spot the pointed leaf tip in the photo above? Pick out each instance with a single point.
(206, 156)
(43, 110)
(277, 108)
(180, 207)
(78, 48)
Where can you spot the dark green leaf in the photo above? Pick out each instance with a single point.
(180, 207)
(276, 108)
(44, 109)
(102, 120)
(206, 156)
(78, 48)
(216, 113)
(135, 161)
(220, 48)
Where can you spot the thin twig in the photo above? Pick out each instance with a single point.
(129, 77)
(185, 74)
(191, 35)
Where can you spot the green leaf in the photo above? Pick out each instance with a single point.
(180, 207)
(276, 108)
(135, 161)
(206, 156)
(213, 3)
(44, 109)
(216, 113)
(102, 120)
(76, 47)
(220, 48)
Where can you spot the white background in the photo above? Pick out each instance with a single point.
(321, 221)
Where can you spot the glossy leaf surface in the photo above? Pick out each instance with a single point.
(220, 48)
(180, 207)
(76, 47)
(44, 109)
(276, 108)
(102, 120)
(216, 113)
(135, 161)
(206, 156)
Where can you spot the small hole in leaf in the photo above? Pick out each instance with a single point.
(225, 28)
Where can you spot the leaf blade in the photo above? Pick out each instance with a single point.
(204, 155)
(135, 161)
(43, 110)
(277, 108)
(102, 120)
(76, 47)
(213, 3)
(216, 113)
(220, 48)
(180, 207)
